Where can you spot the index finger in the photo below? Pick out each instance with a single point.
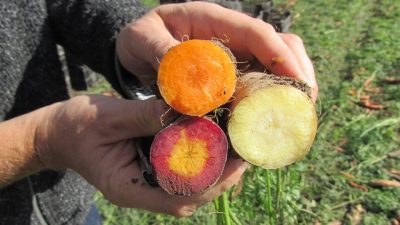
(243, 34)
(134, 192)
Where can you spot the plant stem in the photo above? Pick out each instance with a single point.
(216, 204)
(217, 209)
(269, 196)
(225, 208)
(234, 218)
(282, 194)
(278, 189)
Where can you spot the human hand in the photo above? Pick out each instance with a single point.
(144, 42)
(94, 135)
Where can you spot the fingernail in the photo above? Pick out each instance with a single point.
(310, 80)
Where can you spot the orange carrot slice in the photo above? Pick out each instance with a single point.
(197, 76)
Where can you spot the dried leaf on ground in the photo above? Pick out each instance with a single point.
(393, 175)
(341, 143)
(356, 214)
(391, 80)
(365, 98)
(394, 154)
(339, 149)
(291, 3)
(352, 91)
(374, 90)
(384, 183)
(358, 186)
(335, 223)
(317, 222)
(367, 82)
(348, 175)
(367, 103)
(397, 172)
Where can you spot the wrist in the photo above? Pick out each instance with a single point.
(22, 143)
(43, 132)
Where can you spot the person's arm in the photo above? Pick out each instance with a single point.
(95, 136)
(19, 147)
(87, 29)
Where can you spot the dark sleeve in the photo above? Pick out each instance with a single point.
(87, 29)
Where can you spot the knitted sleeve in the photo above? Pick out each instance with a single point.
(87, 29)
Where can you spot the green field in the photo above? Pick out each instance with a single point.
(355, 47)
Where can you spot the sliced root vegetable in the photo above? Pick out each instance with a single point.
(197, 76)
(189, 156)
(273, 121)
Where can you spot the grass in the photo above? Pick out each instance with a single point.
(352, 42)
(349, 42)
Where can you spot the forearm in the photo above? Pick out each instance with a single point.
(20, 143)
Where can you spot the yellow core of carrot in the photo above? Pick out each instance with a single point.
(196, 76)
(188, 157)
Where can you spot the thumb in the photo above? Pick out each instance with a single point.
(137, 118)
(144, 42)
(160, 47)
